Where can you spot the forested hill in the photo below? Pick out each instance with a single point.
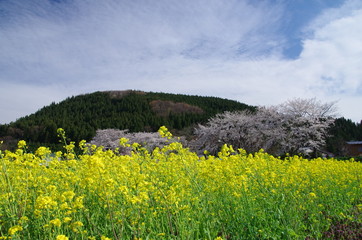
(80, 116)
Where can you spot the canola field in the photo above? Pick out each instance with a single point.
(171, 193)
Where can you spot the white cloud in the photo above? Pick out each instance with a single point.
(332, 57)
(333, 65)
(111, 35)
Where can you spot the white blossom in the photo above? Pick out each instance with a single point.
(297, 126)
(110, 139)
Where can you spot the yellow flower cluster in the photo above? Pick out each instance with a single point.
(163, 131)
(171, 193)
(14, 229)
(62, 237)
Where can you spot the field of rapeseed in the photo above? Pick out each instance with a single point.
(171, 193)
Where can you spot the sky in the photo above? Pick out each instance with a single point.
(258, 52)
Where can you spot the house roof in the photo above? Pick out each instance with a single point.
(354, 142)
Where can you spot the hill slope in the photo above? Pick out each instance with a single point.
(82, 115)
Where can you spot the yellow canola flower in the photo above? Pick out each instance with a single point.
(76, 225)
(67, 196)
(124, 142)
(164, 132)
(313, 195)
(42, 151)
(60, 132)
(23, 219)
(78, 202)
(105, 238)
(45, 202)
(67, 219)
(56, 222)
(62, 237)
(64, 206)
(21, 144)
(14, 229)
(83, 145)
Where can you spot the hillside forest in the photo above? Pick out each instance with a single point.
(81, 116)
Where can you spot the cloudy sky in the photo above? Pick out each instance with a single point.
(259, 52)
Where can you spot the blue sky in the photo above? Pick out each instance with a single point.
(256, 52)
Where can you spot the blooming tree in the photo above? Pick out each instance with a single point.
(308, 108)
(110, 139)
(291, 127)
(308, 121)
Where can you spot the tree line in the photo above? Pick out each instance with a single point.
(299, 125)
(81, 116)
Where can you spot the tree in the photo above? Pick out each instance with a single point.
(308, 122)
(308, 108)
(292, 127)
(110, 139)
(342, 131)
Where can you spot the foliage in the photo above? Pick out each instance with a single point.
(292, 127)
(343, 130)
(82, 115)
(171, 193)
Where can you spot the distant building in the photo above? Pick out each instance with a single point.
(354, 148)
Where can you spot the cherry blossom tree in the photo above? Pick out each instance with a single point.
(110, 139)
(295, 126)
